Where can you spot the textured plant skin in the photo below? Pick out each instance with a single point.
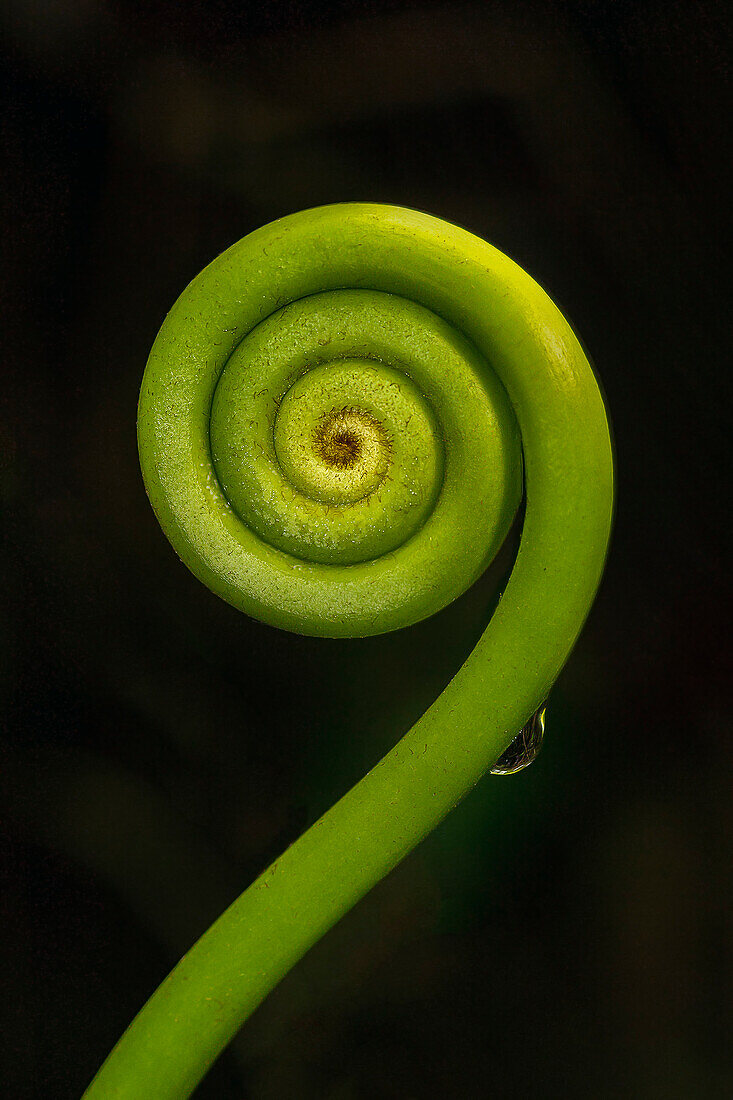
(370, 350)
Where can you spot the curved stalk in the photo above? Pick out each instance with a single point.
(332, 425)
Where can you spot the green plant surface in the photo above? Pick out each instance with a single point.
(336, 425)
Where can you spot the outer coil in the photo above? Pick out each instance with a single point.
(323, 436)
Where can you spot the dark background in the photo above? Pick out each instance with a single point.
(567, 931)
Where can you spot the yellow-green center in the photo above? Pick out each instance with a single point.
(349, 438)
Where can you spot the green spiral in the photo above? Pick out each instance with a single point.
(337, 423)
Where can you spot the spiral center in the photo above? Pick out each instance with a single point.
(349, 437)
(330, 444)
(340, 448)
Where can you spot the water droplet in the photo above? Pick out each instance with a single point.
(525, 746)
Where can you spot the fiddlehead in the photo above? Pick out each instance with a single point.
(332, 428)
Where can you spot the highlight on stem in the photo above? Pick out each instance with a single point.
(337, 423)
